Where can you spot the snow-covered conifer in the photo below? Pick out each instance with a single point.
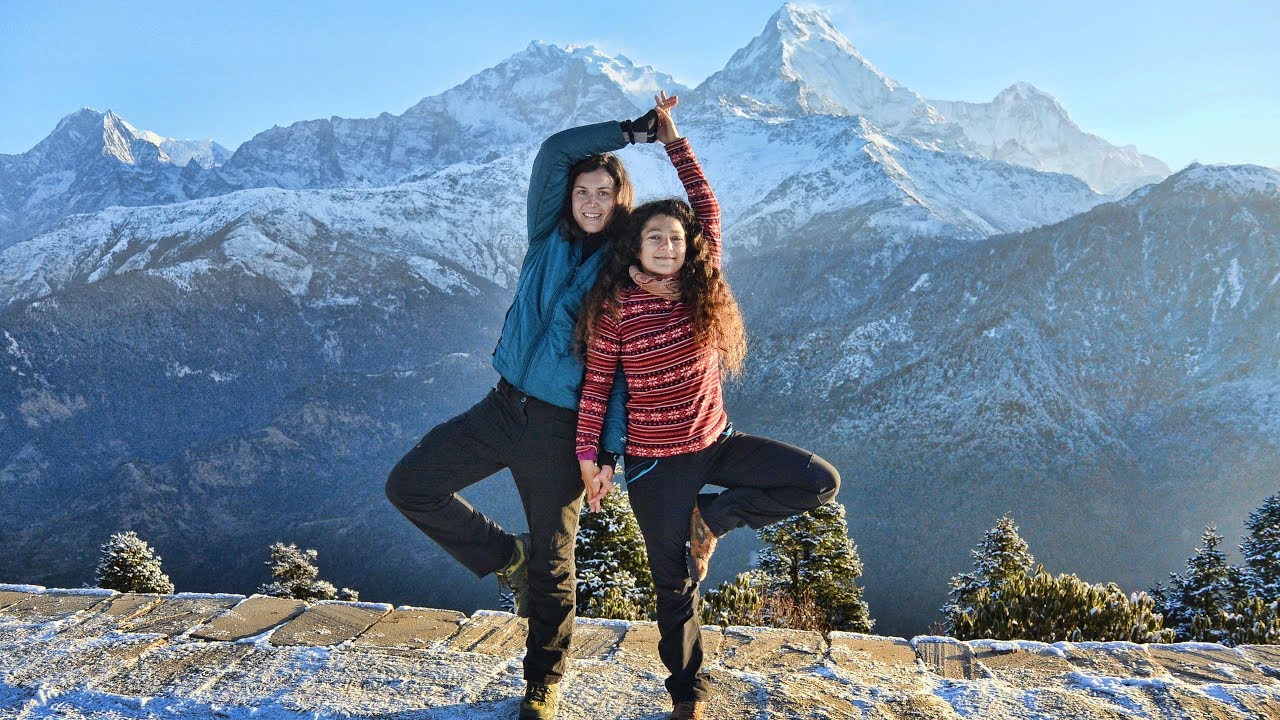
(1001, 557)
(1199, 603)
(611, 554)
(1005, 598)
(1261, 551)
(295, 575)
(129, 565)
(812, 555)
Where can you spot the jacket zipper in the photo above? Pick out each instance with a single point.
(546, 325)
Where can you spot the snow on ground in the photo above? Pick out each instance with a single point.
(96, 654)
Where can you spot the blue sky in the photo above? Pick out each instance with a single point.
(1181, 80)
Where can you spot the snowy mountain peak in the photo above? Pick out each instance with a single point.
(1027, 126)
(802, 65)
(639, 82)
(1025, 92)
(542, 89)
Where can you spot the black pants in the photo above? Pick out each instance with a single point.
(765, 480)
(536, 440)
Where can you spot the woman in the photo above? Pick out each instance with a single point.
(663, 312)
(579, 197)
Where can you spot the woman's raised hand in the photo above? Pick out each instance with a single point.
(666, 126)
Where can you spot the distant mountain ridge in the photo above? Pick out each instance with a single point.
(800, 65)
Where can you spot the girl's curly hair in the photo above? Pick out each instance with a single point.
(716, 317)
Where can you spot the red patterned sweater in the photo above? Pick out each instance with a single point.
(674, 402)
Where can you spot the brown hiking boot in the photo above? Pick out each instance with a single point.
(688, 710)
(702, 542)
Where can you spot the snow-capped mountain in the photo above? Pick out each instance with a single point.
(961, 335)
(528, 96)
(1026, 126)
(94, 160)
(1110, 379)
(801, 65)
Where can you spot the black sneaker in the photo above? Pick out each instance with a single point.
(515, 576)
(539, 702)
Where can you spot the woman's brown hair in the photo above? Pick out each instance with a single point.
(716, 317)
(623, 198)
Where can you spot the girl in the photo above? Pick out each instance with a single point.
(579, 196)
(661, 310)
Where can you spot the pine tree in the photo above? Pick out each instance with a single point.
(294, 575)
(810, 558)
(1200, 603)
(1002, 556)
(1005, 599)
(129, 565)
(736, 602)
(613, 566)
(1261, 551)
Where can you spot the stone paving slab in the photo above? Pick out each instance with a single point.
(950, 659)
(390, 685)
(1023, 663)
(490, 633)
(641, 641)
(856, 651)
(264, 672)
(1265, 657)
(251, 618)
(412, 628)
(10, 597)
(174, 670)
(65, 664)
(921, 706)
(1207, 663)
(50, 606)
(326, 624)
(803, 695)
(765, 649)
(110, 615)
(1171, 700)
(179, 614)
(1111, 659)
(596, 639)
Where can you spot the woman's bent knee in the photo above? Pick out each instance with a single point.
(825, 478)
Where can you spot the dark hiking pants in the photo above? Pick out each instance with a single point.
(507, 429)
(765, 480)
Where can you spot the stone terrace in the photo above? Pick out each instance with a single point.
(93, 653)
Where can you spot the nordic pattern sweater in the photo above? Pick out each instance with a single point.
(674, 403)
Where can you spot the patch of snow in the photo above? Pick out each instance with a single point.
(921, 282)
(260, 255)
(439, 276)
(22, 588)
(207, 596)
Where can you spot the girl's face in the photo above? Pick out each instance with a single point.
(593, 196)
(662, 245)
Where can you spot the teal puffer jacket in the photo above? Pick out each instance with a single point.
(535, 352)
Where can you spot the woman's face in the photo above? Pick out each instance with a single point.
(593, 197)
(662, 245)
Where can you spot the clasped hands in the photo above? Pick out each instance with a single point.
(597, 480)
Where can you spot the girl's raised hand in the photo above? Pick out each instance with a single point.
(666, 126)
